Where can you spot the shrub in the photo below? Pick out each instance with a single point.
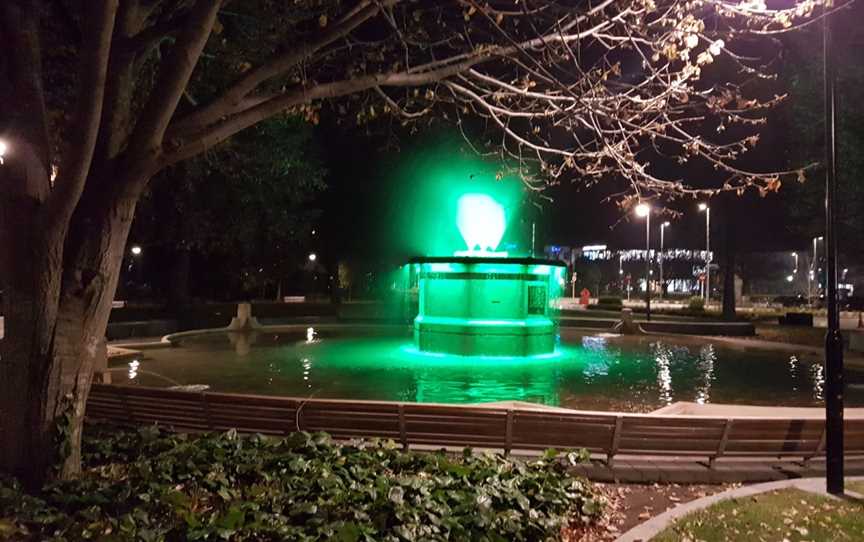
(151, 485)
(696, 304)
(611, 301)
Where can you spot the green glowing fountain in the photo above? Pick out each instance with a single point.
(480, 302)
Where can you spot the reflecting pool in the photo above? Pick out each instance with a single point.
(587, 370)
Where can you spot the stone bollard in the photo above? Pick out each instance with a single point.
(627, 326)
(244, 319)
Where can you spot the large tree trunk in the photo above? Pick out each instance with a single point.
(54, 330)
(31, 287)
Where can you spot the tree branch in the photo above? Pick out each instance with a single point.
(173, 78)
(98, 28)
(217, 133)
(154, 34)
(232, 96)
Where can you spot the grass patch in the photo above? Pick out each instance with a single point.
(151, 485)
(857, 487)
(788, 514)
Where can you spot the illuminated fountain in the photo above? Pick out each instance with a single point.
(480, 302)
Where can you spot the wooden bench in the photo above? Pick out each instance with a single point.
(495, 427)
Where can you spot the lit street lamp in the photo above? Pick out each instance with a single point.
(663, 227)
(704, 207)
(644, 210)
(136, 265)
(312, 256)
(3, 148)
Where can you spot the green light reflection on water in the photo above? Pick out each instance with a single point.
(398, 369)
(588, 372)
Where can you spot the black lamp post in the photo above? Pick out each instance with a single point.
(833, 338)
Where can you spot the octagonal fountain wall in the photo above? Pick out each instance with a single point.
(487, 306)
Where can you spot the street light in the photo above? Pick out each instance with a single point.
(795, 270)
(663, 227)
(704, 207)
(3, 148)
(644, 210)
(833, 338)
(136, 264)
(312, 256)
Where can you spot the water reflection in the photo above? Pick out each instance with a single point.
(307, 369)
(243, 341)
(793, 372)
(603, 372)
(600, 357)
(595, 342)
(707, 357)
(817, 375)
(663, 361)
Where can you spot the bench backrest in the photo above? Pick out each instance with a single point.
(498, 427)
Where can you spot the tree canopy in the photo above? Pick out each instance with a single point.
(246, 210)
(101, 95)
(804, 115)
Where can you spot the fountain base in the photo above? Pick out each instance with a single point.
(487, 306)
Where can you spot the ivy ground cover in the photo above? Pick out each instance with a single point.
(153, 485)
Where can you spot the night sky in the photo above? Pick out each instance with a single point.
(360, 206)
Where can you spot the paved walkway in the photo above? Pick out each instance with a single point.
(655, 525)
(687, 408)
(689, 470)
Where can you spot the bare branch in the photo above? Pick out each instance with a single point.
(217, 133)
(637, 95)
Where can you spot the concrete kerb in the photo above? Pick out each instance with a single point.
(651, 528)
(173, 338)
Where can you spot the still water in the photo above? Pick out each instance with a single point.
(589, 371)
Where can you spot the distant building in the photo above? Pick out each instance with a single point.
(607, 270)
(760, 275)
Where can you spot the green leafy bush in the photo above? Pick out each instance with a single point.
(696, 304)
(151, 485)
